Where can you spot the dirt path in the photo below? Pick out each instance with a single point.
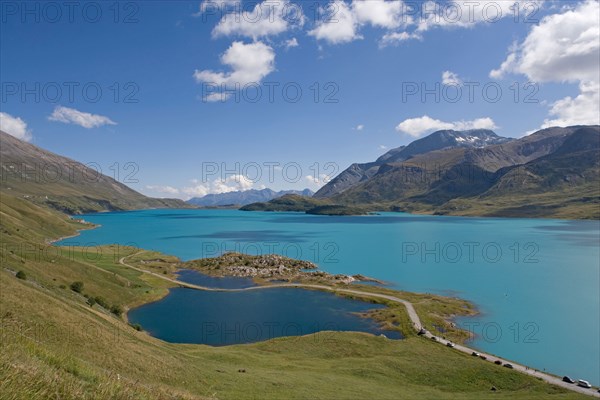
(412, 314)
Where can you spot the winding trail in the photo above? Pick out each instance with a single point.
(412, 314)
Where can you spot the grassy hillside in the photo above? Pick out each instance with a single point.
(56, 345)
(63, 184)
(553, 173)
(358, 173)
(289, 202)
(292, 202)
(563, 184)
(337, 210)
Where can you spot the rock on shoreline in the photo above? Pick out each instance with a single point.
(268, 267)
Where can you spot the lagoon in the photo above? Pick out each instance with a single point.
(225, 282)
(536, 282)
(225, 318)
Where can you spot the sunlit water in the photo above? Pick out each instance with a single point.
(536, 282)
(221, 318)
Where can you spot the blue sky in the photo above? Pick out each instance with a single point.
(152, 61)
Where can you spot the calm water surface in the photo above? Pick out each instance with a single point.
(222, 318)
(225, 282)
(536, 282)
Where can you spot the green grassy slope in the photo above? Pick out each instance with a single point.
(293, 202)
(289, 202)
(554, 173)
(55, 345)
(49, 179)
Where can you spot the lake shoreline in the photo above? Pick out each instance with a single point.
(416, 325)
(414, 273)
(389, 319)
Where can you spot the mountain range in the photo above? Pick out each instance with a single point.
(439, 140)
(61, 183)
(553, 172)
(243, 197)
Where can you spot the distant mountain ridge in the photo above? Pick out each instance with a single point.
(61, 183)
(357, 173)
(554, 172)
(244, 197)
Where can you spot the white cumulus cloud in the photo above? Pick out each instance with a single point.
(563, 47)
(217, 6)
(450, 78)
(336, 24)
(427, 15)
(265, 19)
(163, 189)
(380, 13)
(467, 14)
(315, 182)
(196, 191)
(216, 97)
(249, 63)
(14, 126)
(395, 38)
(231, 183)
(340, 21)
(417, 127)
(581, 110)
(76, 117)
(293, 42)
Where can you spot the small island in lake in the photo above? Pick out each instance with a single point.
(269, 268)
(309, 205)
(335, 209)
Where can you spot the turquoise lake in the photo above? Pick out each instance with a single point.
(535, 282)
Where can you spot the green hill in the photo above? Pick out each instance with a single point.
(46, 178)
(552, 173)
(292, 202)
(289, 202)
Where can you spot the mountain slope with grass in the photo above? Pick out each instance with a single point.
(551, 173)
(49, 179)
(244, 197)
(565, 183)
(289, 202)
(444, 139)
(61, 340)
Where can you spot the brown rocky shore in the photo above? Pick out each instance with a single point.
(270, 267)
